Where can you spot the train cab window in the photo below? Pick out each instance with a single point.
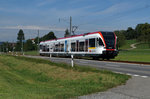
(81, 46)
(100, 42)
(92, 42)
(73, 47)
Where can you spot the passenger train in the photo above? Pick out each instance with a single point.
(95, 44)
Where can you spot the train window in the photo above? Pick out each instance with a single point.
(47, 48)
(61, 47)
(56, 48)
(86, 45)
(81, 46)
(92, 42)
(77, 46)
(43, 48)
(73, 47)
(40, 47)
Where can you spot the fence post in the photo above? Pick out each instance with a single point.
(72, 62)
(50, 55)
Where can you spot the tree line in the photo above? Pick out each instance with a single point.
(25, 45)
(141, 33)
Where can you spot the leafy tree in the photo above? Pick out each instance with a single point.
(20, 35)
(130, 33)
(20, 39)
(143, 31)
(6, 47)
(120, 38)
(138, 30)
(29, 45)
(49, 36)
(67, 34)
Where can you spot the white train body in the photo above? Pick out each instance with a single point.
(95, 44)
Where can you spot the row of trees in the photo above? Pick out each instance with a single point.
(32, 44)
(141, 33)
(25, 45)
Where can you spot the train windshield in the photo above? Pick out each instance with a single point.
(109, 38)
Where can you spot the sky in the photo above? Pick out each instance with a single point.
(53, 15)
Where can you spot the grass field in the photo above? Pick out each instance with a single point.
(137, 55)
(127, 44)
(143, 46)
(27, 78)
(31, 53)
(140, 54)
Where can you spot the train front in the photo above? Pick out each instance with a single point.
(110, 40)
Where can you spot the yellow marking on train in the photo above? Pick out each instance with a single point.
(92, 47)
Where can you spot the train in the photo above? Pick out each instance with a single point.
(100, 44)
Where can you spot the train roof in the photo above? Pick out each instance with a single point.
(78, 35)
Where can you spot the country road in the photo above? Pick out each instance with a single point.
(138, 87)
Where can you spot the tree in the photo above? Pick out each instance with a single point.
(67, 34)
(120, 38)
(29, 46)
(20, 39)
(130, 33)
(20, 35)
(143, 31)
(49, 36)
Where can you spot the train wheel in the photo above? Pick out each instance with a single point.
(108, 58)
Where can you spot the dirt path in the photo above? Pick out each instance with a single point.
(133, 46)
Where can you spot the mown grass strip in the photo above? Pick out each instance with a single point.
(30, 78)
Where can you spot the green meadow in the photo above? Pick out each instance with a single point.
(28, 78)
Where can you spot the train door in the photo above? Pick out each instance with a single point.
(66, 46)
(77, 45)
(50, 47)
(86, 45)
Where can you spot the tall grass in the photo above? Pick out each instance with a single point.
(28, 78)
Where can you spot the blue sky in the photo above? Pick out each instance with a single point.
(88, 15)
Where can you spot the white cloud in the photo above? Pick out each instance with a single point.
(33, 27)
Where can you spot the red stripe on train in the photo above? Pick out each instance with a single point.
(110, 49)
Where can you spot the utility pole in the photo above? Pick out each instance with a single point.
(38, 41)
(70, 25)
(72, 28)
